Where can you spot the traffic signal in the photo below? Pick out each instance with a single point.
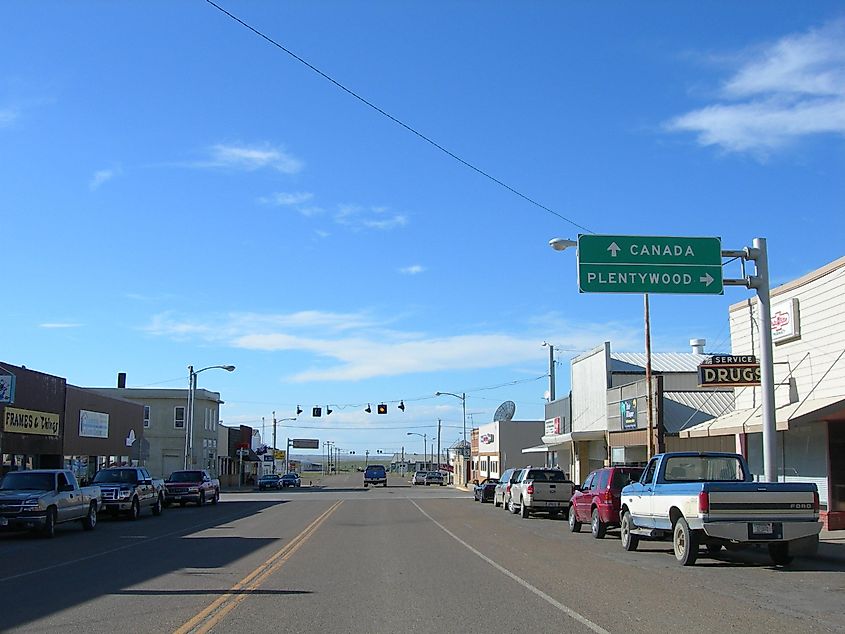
(402, 405)
(316, 412)
(382, 408)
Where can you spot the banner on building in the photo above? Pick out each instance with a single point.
(93, 424)
(27, 421)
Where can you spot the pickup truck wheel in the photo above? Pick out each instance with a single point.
(523, 510)
(629, 540)
(779, 553)
(49, 529)
(216, 497)
(201, 501)
(684, 543)
(135, 510)
(574, 524)
(597, 527)
(90, 520)
(157, 506)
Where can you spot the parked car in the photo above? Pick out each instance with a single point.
(540, 489)
(41, 499)
(291, 480)
(502, 492)
(434, 477)
(269, 481)
(597, 501)
(192, 485)
(419, 478)
(483, 491)
(710, 499)
(130, 490)
(375, 474)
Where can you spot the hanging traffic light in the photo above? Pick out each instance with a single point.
(402, 405)
(368, 409)
(382, 408)
(316, 412)
(298, 410)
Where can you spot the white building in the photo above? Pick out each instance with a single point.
(498, 446)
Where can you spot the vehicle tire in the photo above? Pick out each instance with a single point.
(158, 506)
(629, 540)
(365, 485)
(524, 510)
(384, 485)
(216, 497)
(513, 508)
(713, 549)
(574, 524)
(495, 503)
(684, 543)
(135, 510)
(90, 520)
(597, 527)
(49, 530)
(201, 500)
(779, 553)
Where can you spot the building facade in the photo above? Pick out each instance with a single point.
(498, 446)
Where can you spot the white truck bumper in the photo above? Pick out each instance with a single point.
(762, 531)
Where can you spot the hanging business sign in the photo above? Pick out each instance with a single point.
(729, 371)
(93, 424)
(27, 421)
(628, 413)
(785, 322)
(553, 426)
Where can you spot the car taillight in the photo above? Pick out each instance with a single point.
(508, 489)
(815, 501)
(530, 489)
(607, 497)
(704, 502)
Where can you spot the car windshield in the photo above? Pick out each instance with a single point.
(551, 475)
(106, 476)
(20, 481)
(703, 469)
(185, 476)
(290, 476)
(375, 469)
(269, 477)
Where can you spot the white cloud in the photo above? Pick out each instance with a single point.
(8, 116)
(782, 92)
(286, 199)
(361, 217)
(100, 177)
(251, 158)
(354, 346)
(58, 325)
(414, 269)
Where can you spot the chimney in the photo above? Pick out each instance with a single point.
(121, 379)
(698, 345)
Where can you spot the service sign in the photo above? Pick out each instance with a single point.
(729, 375)
(27, 421)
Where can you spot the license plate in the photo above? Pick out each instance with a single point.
(178, 497)
(3, 521)
(762, 528)
(554, 503)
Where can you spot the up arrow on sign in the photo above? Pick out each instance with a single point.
(614, 249)
(130, 439)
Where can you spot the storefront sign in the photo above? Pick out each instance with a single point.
(553, 426)
(729, 375)
(628, 413)
(785, 322)
(26, 421)
(7, 388)
(486, 439)
(93, 424)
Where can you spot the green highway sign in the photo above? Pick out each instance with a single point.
(649, 264)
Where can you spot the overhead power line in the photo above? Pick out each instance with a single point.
(395, 120)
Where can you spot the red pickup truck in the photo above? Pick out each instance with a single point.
(193, 485)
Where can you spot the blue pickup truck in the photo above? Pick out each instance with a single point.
(710, 499)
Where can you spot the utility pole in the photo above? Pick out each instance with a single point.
(649, 414)
(438, 444)
(551, 373)
(274, 442)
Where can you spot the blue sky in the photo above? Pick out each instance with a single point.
(175, 190)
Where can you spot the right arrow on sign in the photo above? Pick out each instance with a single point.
(706, 279)
(613, 248)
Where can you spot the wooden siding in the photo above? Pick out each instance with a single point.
(589, 387)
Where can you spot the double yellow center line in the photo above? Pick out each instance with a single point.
(225, 603)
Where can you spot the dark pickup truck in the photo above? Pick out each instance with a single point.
(192, 485)
(41, 499)
(129, 490)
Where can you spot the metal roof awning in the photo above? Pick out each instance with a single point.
(749, 421)
(536, 449)
(575, 436)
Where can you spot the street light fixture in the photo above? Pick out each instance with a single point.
(463, 399)
(559, 244)
(425, 445)
(189, 422)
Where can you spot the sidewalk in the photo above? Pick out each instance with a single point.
(831, 546)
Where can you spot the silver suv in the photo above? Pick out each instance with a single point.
(502, 492)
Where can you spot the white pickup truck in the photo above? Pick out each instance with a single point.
(711, 499)
(536, 489)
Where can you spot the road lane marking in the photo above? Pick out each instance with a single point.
(548, 599)
(205, 620)
(135, 542)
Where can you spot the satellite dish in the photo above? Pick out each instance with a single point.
(505, 411)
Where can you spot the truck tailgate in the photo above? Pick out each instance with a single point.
(751, 501)
(552, 491)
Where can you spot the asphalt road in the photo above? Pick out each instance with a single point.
(341, 558)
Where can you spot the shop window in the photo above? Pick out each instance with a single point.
(179, 417)
(146, 416)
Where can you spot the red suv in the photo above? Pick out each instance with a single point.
(597, 500)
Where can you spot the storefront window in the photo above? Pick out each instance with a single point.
(146, 415)
(179, 417)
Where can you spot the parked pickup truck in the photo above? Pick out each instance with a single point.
(129, 490)
(41, 499)
(711, 499)
(536, 489)
(193, 485)
(375, 474)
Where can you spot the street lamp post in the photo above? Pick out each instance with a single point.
(425, 444)
(189, 418)
(287, 448)
(463, 397)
